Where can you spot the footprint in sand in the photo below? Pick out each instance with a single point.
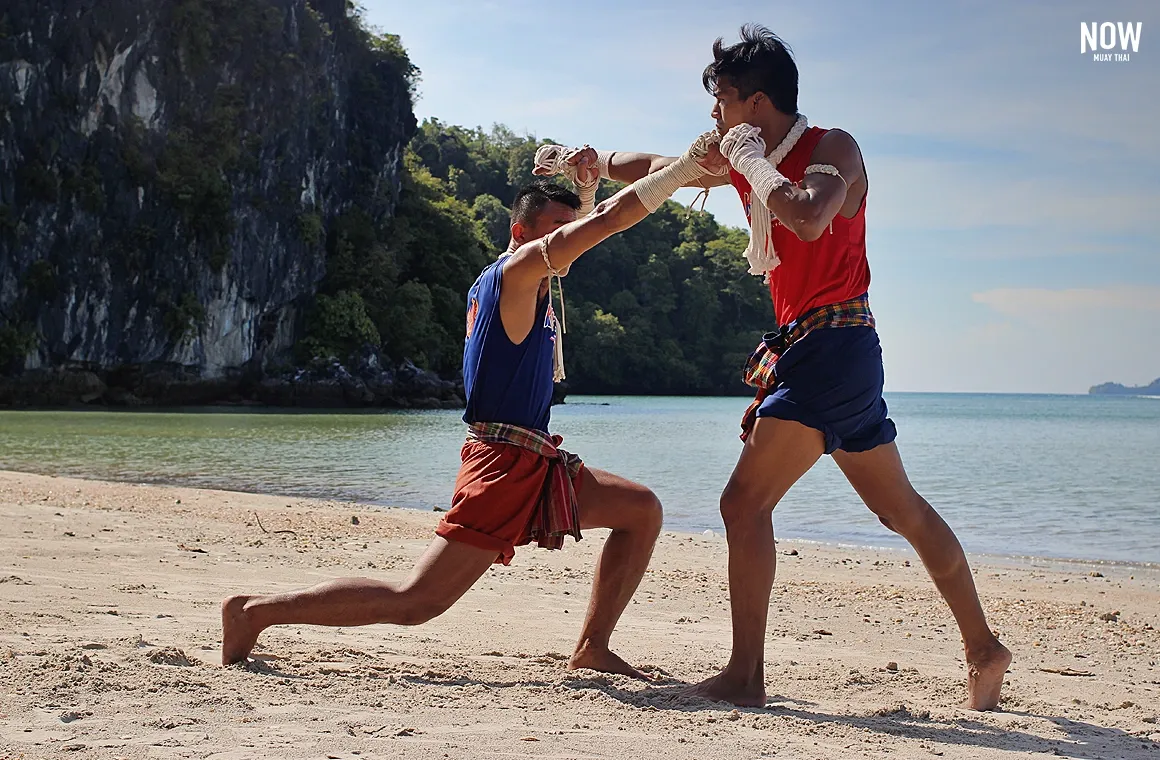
(172, 656)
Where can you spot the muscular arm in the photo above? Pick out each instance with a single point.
(629, 167)
(808, 207)
(526, 268)
(532, 262)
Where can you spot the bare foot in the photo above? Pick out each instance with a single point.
(238, 637)
(724, 687)
(603, 660)
(985, 677)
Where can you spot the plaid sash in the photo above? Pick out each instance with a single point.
(761, 364)
(558, 513)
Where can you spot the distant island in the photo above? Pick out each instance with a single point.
(1115, 389)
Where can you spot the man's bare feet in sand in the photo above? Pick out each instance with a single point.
(602, 659)
(725, 687)
(985, 674)
(238, 637)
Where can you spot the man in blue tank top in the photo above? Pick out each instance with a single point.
(516, 486)
(506, 381)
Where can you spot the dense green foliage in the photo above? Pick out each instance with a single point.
(666, 307)
(228, 136)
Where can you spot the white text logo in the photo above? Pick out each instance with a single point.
(1102, 40)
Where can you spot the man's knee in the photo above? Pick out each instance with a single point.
(638, 512)
(740, 505)
(652, 515)
(418, 609)
(905, 514)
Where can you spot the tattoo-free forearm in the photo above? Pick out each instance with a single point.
(625, 166)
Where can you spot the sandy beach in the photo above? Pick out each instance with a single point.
(110, 643)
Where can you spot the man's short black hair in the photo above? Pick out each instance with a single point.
(761, 62)
(531, 200)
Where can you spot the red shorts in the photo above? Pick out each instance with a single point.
(496, 494)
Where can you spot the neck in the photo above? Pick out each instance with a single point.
(775, 128)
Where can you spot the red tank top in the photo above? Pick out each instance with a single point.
(829, 270)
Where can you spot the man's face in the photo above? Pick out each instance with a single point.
(552, 217)
(729, 110)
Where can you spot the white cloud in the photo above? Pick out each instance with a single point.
(1038, 305)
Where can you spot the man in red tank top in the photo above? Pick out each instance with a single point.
(820, 372)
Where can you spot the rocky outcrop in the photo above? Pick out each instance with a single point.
(323, 384)
(369, 383)
(1116, 389)
(169, 174)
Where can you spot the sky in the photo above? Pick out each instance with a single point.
(1014, 205)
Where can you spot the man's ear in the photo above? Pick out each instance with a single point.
(756, 101)
(519, 233)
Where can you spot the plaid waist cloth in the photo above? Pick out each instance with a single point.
(558, 513)
(760, 366)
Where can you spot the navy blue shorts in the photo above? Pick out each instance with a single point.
(831, 380)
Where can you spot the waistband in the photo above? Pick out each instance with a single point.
(558, 512)
(759, 367)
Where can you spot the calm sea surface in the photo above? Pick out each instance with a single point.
(1049, 476)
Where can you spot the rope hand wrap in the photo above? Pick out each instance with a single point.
(558, 326)
(654, 189)
(603, 160)
(723, 171)
(745, 149)
(553, 159)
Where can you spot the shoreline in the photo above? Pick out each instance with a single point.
(110, 634)
(993, 557)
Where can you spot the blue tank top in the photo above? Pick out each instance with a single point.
(505, 382)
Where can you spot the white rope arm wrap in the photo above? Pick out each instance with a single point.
(559, 326)
(603, 159)
(743, 147)
(553, 160)
(587, 195)
(656, 188)
(552, 271)
(831, 170)
(823, 169)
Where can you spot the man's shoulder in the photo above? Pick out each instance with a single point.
(496, 265)
(491, 272)
(837, 147)
(835, 137)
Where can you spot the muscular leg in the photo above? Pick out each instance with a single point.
(776, 455)
(443, 574)
(880, 479)
(634, 515)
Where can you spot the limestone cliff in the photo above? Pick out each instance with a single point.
(169, 173)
